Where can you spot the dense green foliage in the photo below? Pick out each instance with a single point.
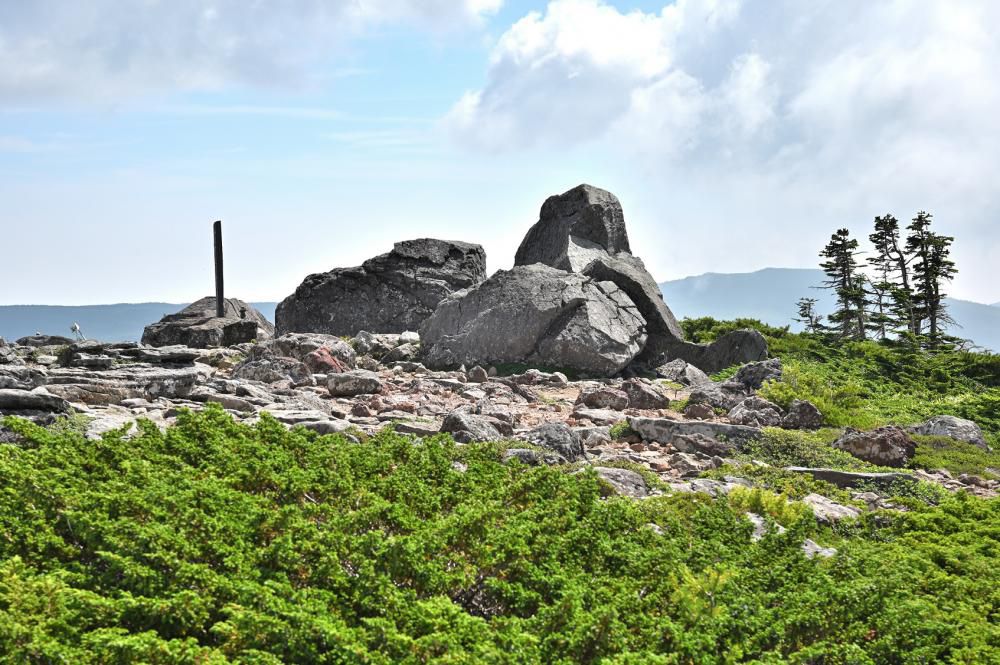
(219, 542)
(866, 383)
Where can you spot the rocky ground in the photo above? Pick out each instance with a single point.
(358, 386)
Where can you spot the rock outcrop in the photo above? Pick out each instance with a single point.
(198, 327)
(582, 231)
(885, 446)
(390, 293)
(959, 429)
(536, 315)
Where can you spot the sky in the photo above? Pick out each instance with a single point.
(738, 134)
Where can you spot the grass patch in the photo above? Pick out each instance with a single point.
(939, 452)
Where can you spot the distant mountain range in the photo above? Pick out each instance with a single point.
(123, 322)
(769, 295)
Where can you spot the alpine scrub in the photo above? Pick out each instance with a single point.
(218, 542)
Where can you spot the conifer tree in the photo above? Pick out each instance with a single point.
(808, 317)
(843, 277)
(892, 269)
(932, 265)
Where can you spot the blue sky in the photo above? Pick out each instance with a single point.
(738, 134)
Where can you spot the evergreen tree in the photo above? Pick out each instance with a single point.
(841, 269)
(893, 295)
(932, 265)
(808, 317)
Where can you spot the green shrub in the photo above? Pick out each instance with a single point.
(939, 452)
(768, 504)
(782, 447)
(217, 542)
(620, 430)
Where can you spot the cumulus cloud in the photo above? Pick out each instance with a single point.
(793, 116)
(109, 50)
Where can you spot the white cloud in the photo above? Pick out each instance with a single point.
(791, 117)
(104, 50)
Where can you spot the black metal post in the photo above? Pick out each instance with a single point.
(220, 300)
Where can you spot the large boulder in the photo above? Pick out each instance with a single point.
(885, 446)
(198, 327)
(959, 429)
(734, 348)
(583, 231)
(573, 228)
(390, 293)
(536, 315)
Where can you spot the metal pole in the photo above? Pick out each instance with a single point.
(220, 301)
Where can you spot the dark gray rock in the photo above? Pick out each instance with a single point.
(623, 482)
(641, 395)
(21, 377)
(391, 293)
(197, 326)
(531, 457)
(268, 368)
(682, 372)
(754, 375)
(630, 275)
(573, 228)
(536, 315)
(664, 430)
(102, 387)
(959, 429)
(558, 438)
(44, 340)
(802, 414)
(699, 411)
(885, 446)
(13, 401)
(603, 397)
(755, 412)
(702, 445)
(355, 382)
(847, 479)
(469, 428)
(735, 348)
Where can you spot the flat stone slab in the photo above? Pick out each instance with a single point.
(845, 479)
(664, 430)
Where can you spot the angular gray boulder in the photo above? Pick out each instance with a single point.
(959, 429)
(735, 348)
(198, 327)
(573, 228)
(390, 293)
(536, 315)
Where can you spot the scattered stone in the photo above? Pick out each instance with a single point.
(558, 438)
(691, 464)
(755, 412)
(272, 369)
(604, 397)
(355, 382)
(641, 395)
(827, 511)
(699, 411)
(959, 429)
(704, 445)
(754, 375)
(885, 446)
(197, 326)
(624, 482)
(469, 428)
(597, 416)
(393, 292)
(478, 375)
(802, 414)
(682, 372)
(402, 353)
(664, 430)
